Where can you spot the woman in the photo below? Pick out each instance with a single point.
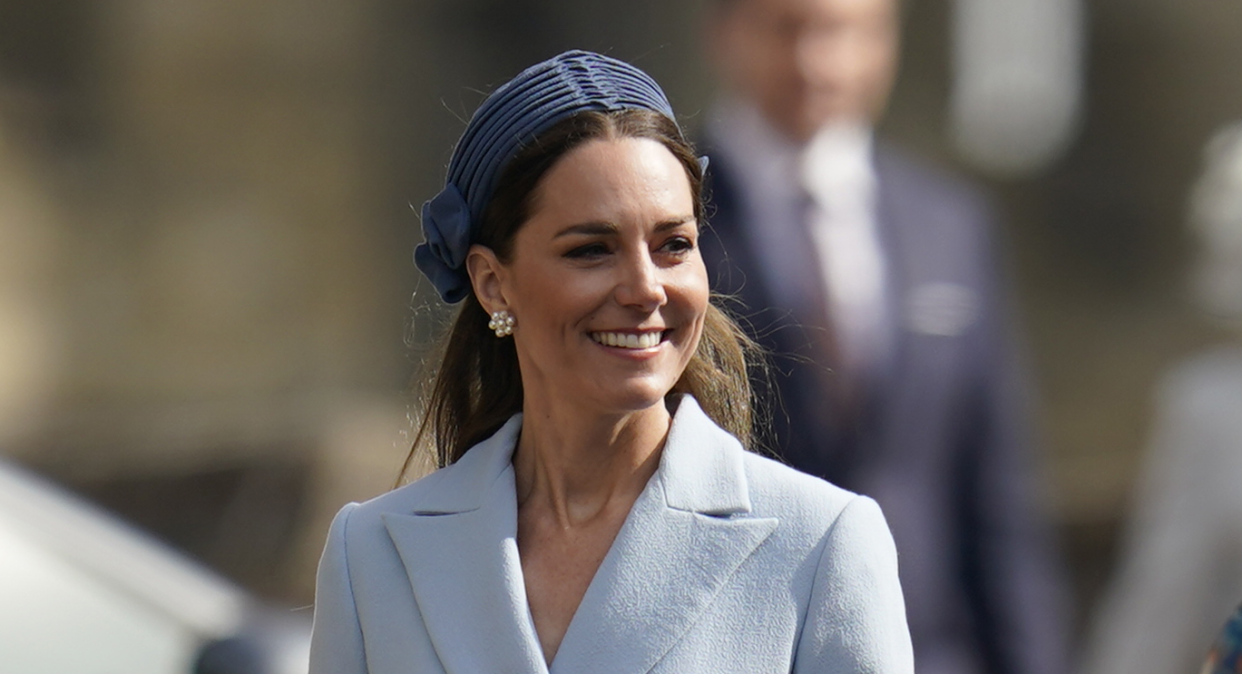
(591, 513)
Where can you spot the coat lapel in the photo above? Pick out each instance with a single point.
(459, 548)
(686, 535)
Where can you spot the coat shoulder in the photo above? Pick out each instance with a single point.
(404, 499)
(427, 495)
(804, 502)
(361, 523)
(458, 487)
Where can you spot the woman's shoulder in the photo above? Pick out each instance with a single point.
(705, 462)
(458, 487)
(703, 459)
(777, 490)
(365, 519)
(845, 532)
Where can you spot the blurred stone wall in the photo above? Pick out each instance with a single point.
(217, 304)
(32, 321)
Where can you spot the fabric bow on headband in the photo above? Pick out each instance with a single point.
(509, 118)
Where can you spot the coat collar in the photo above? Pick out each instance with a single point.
(684, 537)
(701, 469)
(465, 485)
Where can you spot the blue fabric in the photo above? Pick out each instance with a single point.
(1226, 654)
(511, 117)
(728, 563)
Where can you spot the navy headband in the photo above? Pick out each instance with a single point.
(510, 118)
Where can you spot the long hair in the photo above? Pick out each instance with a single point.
(478, 386)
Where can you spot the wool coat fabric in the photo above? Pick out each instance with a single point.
(727, 562)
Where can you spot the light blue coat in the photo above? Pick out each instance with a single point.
(728, 562)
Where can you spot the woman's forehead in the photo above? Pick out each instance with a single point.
(603, 179)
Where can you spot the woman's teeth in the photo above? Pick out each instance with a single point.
(628, 340)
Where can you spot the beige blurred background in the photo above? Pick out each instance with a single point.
(208, 308)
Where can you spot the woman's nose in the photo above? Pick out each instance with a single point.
(640, 285)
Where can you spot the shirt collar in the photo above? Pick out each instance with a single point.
(839, 157)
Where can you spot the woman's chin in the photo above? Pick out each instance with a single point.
(636, 397)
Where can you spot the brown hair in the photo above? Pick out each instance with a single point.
(478, 386)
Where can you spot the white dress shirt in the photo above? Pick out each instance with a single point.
(835, 172)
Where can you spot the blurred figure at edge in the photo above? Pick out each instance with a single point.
(870, 277)
(1179, 572)
(1226, 654)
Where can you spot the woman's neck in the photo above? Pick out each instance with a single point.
(575, 466)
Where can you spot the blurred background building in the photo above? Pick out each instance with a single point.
(207, 302)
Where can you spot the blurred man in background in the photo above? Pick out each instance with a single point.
(870, 277)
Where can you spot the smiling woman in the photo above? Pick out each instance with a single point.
(716, 373)
(595, 509)
(606, 280)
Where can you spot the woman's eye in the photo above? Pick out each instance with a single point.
(588, 251)
(678, 244)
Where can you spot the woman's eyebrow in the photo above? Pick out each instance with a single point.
(588, 229)
(608, 228)
(674, 223)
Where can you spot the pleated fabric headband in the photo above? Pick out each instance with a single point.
(509, 119)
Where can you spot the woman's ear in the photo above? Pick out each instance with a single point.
(487, 276)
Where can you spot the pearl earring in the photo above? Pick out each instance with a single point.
(502, 323)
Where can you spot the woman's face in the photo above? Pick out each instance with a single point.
(605, 282)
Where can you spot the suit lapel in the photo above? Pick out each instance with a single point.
(460, 553)
(685, 536)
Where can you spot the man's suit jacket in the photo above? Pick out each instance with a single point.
(728, 562)
(937, 436)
